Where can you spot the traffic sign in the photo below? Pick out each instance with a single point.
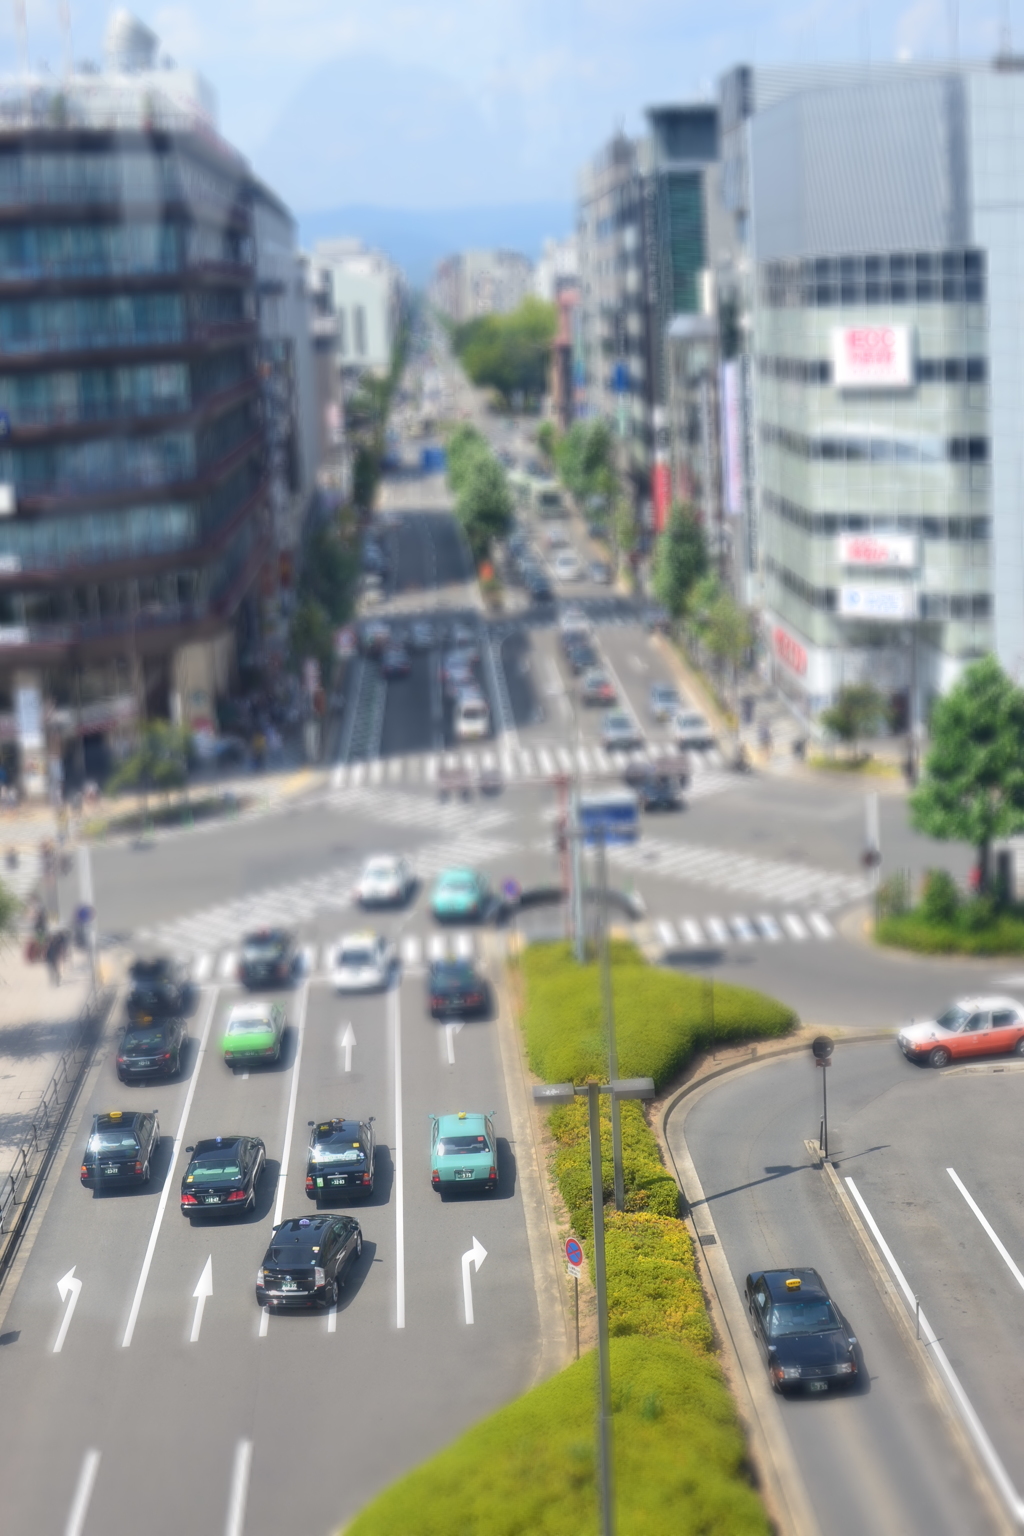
(574, 1255)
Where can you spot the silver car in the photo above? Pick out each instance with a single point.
(619, 732)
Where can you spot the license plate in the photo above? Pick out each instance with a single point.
(211, 1200)
(111, 1168)
(463, 1173)
(818, 1386)
(288, 1285)
(339, 1179)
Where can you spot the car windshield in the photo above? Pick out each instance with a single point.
(954, 1018)
(356, 955)
(212, 1170)
(337, 1149)
(458, 1146)
(252, 1024)
(458, 881)
(113, 1140)
(451, 973)
(262, 949)
(139, 1039)
(663, 694)
(792, 1318)
(380, 869)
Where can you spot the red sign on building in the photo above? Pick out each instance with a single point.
(789, 651)
(661, 495)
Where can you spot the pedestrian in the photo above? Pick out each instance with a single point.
(55, 950)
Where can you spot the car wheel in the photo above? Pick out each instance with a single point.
(359, 1246)
(121, 1077)
(331, 1293)
(146, 1174)
(939, 1057)
(1018, 1049)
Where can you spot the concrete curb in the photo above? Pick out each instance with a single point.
(918, 1348)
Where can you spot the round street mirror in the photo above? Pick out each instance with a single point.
(822, 1047)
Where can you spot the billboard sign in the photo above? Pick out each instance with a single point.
(871, 357)
(732, 439)
(889, 602)
(878, 549)
(789, 651)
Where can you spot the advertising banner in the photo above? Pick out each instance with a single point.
(878, 549)
(878, 602)
(732, 440)
(871, 357)
(661, 495)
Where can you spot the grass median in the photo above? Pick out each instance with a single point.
(680, 1457)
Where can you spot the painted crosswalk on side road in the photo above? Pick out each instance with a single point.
(689, 934)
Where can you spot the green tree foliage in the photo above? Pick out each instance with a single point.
(509, 353)
(546, 440)
(859, 710)
(312, 634)
(728, 632)
(483, 504)
(680, 559)
(10, 906)
(585, 461)
(329, 572)
(464, 445)
(159, 762)
(973, 784)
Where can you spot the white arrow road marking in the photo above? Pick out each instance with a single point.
(239, 1489)
(475, 1256)
(451, 1030)
(202, 1290)
(68, 1285)
(83, 1493)
(346, 1040)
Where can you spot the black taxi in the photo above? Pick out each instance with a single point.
(120, 1148)
(339, 1162)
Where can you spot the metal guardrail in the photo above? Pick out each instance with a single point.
(31, 1162)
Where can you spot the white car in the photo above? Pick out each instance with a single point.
(664, 701)
(566, 566)
(385, 880)
(619, 732)
(973, 1026)
(691, 729)
(361, 962)
(557, 536)
(472, 717)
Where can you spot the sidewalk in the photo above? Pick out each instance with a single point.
(36, 1022)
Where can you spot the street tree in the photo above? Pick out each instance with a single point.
(680, 559)
(484, 504)
(859, 711)
(159, 762)
(510, 352)
(464, 446)
(972, 788)
(312, 635)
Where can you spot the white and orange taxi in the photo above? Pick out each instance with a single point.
(973, 1026)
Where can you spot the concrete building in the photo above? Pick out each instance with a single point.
(880, 209)
(647, 214)
(367, 303)
(558, 268)
(475, 283)
(137, 531)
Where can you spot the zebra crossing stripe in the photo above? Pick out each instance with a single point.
(376, 771)
(307, 958)
(717, 929)
(666, 933)
(743, 930)
(228, 965)
(358, 774)
(821, 925)
(769, 927)
(508, 766)
(395, 770)
(431, 769)
(411, 950)
(564, 759)
(489, 761)
(693, 932)
(583, 758)
(464, 946)
(202, 968)
(794, 926)
(544, 758)
(336, 776)
(437, 946)
(526, 760)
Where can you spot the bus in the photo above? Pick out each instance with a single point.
(547, 499)
(609, 814)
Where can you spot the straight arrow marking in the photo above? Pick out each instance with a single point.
(67, 1285)
(474, 1256)
(202, 1290)
(451, 1030)
(347, 1040)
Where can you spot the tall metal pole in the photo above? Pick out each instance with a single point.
(604, 1422)
(609, 1022)
(87, 899)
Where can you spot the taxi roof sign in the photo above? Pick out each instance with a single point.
(113, 1114)
(794, 1284)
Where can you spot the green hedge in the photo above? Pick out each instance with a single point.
(653, 1287)
(661, 1017)
(913, 930)
(649, 1187)
(528, 1470)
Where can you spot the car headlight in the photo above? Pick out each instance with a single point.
(846, 1369)
(786, 1372)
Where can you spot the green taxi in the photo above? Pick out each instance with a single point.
(460, 894)
(253, 1034)
(463, 1152)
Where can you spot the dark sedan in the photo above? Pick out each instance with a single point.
(801, 1334)
(340, 1159)
(269, 958)
(455, 989)
(659, 792)
(307, 1260)
(152, 1050)
(160, 989)
(222, 1175)
(395, 662)
(120, 1148)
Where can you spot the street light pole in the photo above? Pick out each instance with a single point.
(604, 1421)
(608, 1006)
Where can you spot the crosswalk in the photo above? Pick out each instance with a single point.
(770, 880)
(295, 902)
(524, 765)
(404, 810)
(415, 952)
(688, 934)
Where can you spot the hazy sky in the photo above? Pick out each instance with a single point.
(465, 102)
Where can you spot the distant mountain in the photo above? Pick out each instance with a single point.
(418, 238)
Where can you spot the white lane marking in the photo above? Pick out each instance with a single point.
(769, 927)
(346, 1040)
(692, 929)
(228, 966)
(464, 946)
(411, 950)
(450, 1031)
(376, 771)
(974, 1425)
(300, 1031)
(68, 1286)
(431, 769)
(508, 766)
(307, 959)
(395, 1011)
(83, 1494)
(564, 759)
(821, 925)
(526, 763)
(239, 1489)
(358, 774)
(474, 1256)
(202, 1290)
(717, 929)
(583, 758)
(264, 1321)
(742, 929)
(332, 1320)
(336, 777)
(666, 933)
(794, 925)
(165, 1193)
(395, 770)
(437, 946)
(202, 968)
(988, 1228)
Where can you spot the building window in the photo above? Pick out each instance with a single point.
(359, 329)
(921, 277)
(342, 333)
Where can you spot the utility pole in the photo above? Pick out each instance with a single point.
(608, 1007)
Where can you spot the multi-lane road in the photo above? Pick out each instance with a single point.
(261, 1424)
